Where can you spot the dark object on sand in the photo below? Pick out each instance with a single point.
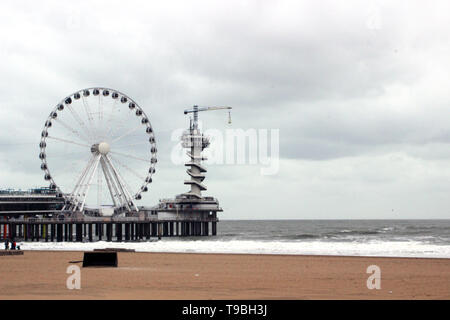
(115, 250)
(100, 259)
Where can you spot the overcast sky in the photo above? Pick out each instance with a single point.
(358, 89)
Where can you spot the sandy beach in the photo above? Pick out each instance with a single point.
(42, 275)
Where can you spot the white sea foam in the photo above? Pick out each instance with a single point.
(370, 248)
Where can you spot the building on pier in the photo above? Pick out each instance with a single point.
(39, 201)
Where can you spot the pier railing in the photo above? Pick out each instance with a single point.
(108, 220)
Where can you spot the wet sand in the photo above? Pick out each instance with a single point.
(42, 275)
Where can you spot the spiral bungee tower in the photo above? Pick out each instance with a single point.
(195, 142)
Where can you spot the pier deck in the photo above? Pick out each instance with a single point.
(90, 229)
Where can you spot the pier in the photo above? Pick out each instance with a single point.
(91, 229)
(51, 215)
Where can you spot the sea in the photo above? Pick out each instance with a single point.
(381, 238)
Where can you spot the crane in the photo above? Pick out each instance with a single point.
(196, 109)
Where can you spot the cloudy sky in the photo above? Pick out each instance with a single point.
(358, 89)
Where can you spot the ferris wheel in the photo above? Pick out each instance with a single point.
(98, 147)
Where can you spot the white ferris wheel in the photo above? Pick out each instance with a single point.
(98, 149)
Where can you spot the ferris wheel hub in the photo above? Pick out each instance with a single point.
(104, 148)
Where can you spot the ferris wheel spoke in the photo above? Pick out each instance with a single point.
(122, 180)
(70, 167)
(113, 159)
(107, 131)
(73, 131)
(100, 107)
(78, 119)
(88, 114)
(125, 134)
(74, 196)
(68, 141)
(129, 156)
(111, 186)
(131, 145)
(65, 154)
(114, 182)
(123, 125)
(83, 174)
(122, 184)
(89, 181)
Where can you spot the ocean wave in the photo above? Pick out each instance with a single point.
(354, 232)
(369, 248)
(302, 236)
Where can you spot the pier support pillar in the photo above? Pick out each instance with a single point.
(127, 232)
(36, 232)
(12, 232)
(66, 232)
(171, 234)
(79, 232)
(46, 232)
(59, 232)
(70, 232)
(214, 228)
(131, 231)
(152, 229)
(52, 232)
(100, 231)
(138, 231)
(109, 232)
(165, 229)
(90, 232)
(118, 232)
